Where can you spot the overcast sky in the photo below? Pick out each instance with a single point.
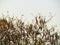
(27, 7)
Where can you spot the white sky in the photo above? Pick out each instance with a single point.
(26, 7)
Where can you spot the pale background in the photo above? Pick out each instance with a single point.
(27, 7)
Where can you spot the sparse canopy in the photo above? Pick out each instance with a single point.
(26, 34)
